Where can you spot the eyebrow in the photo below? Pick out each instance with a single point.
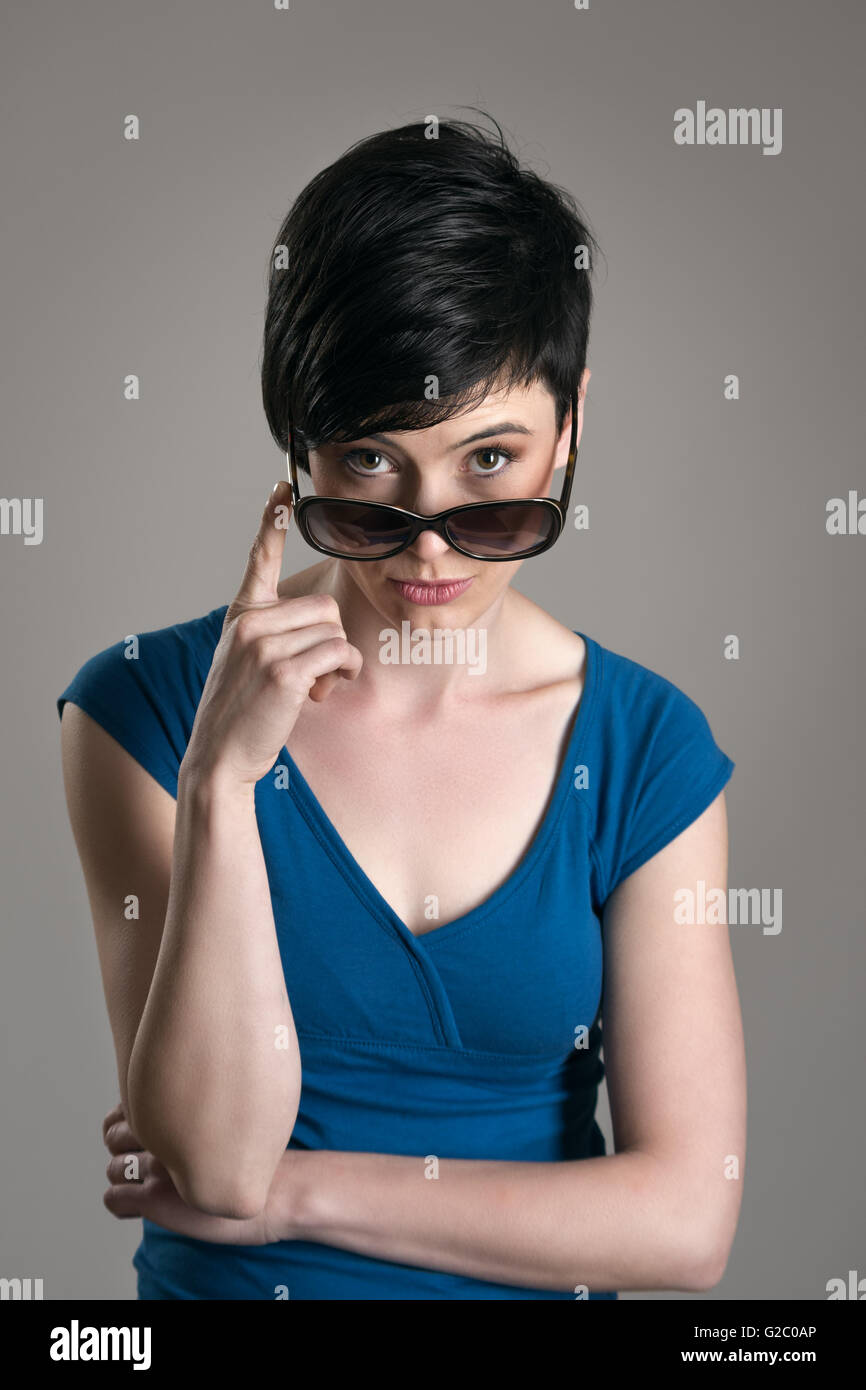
(506, 427)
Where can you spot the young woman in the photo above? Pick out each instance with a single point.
(354, 901)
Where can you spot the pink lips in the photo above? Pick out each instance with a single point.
(418, 592)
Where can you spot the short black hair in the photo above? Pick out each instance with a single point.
(413, 274)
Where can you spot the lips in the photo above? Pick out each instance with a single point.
(429, 592)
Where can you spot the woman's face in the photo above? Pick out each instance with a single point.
(505, 447)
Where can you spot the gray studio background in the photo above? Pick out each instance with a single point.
(707, 516)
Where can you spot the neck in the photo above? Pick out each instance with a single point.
(419, 658)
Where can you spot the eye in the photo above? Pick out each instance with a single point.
(488, 459)
(365, 461)
(492, 461)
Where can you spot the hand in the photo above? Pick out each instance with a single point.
(273, 653)
(152, 1194)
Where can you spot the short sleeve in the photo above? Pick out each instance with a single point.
(659, 767)
(144, 690)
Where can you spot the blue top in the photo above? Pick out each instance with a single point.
(479, 1039)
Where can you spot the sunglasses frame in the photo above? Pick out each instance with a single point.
(438, 523)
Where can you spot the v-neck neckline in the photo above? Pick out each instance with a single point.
(328, 835)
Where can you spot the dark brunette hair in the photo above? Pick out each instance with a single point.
(421, 269)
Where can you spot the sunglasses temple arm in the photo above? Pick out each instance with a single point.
(290, 463)
(572, 459)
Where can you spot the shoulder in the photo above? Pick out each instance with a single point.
(652, 763)
(637, 706)
(172, 650)
(145, 687)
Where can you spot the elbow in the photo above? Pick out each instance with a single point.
(704, 1254)
(221, 1192)
(217, 1197)
(237, 1187)
(693, 1228)
(700, 1238)
(705, 1269)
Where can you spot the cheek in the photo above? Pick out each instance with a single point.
(369, 577)
(503, 571)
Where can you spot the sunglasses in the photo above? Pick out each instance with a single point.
(353, 529)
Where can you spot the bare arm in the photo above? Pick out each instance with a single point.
(661, 1211)
(215, 1073)
(194, 987)
(207, 1052)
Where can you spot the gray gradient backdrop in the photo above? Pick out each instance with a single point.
(707, 516)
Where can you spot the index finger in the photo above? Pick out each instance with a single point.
(262, 574)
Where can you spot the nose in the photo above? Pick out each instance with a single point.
(427, 500)
(429, 546)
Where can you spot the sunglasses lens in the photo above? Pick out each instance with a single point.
(515, 528)
(353, 528)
